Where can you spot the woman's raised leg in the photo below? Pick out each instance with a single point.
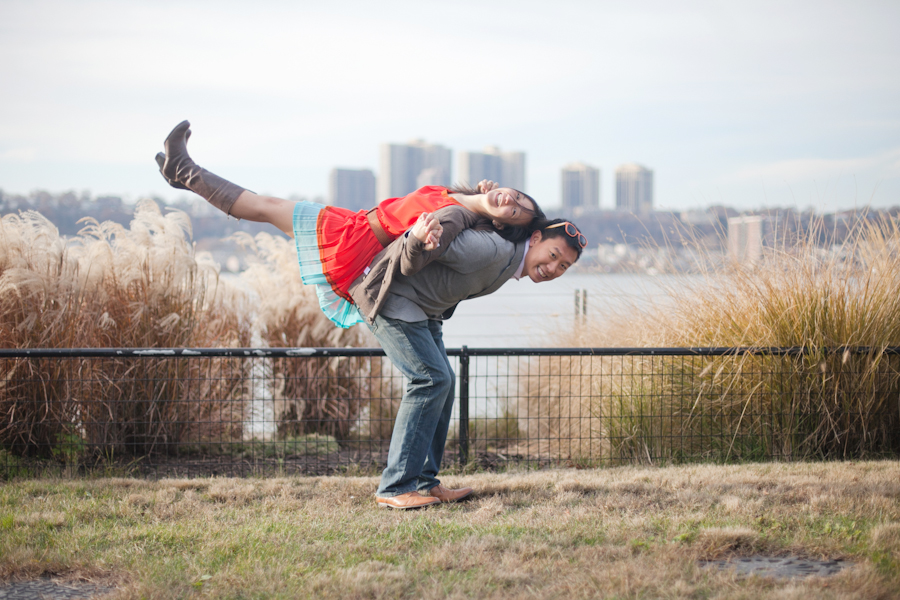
(181, 172)
(265, 209)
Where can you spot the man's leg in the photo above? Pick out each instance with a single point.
(428, 482)
(428, 479)
(412, 349)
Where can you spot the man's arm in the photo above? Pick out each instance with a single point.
(473, 250)
(453, 220)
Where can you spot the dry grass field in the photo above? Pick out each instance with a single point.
(629, 532)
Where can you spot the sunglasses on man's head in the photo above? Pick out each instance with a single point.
(571, 231)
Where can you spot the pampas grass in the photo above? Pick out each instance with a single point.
(145, 287)
(316, 396)
(826, 400)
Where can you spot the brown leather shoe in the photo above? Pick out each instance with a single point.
(407, 500)
(447, 495)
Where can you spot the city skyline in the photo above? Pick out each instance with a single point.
(743, 104)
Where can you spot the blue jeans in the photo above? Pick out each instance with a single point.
(420, 430)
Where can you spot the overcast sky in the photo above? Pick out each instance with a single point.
(746, 104)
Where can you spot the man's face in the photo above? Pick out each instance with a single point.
(548, 258)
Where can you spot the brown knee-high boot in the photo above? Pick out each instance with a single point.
(183, 173)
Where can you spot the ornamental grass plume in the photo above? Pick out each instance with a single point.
(146, 287)
(835, 397)
(108, 287)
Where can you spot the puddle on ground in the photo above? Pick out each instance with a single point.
(782, 567)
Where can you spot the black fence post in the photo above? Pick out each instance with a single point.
(463, 406)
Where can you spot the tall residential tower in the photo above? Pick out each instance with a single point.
(580, 188)
(407, 167)
(634, 188)
(352, 188)
(505, 168)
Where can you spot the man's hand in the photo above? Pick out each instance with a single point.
(486, 185)
(428, 230)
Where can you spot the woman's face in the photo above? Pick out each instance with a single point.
(508, 206)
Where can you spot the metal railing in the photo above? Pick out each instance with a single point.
(324, 410)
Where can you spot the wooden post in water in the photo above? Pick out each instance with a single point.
(577, 305)
(581, 297)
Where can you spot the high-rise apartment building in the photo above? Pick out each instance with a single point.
(406, 167)
(747, 236)
(352, 188)
(634, 188)
(505, 168)
(580, 188)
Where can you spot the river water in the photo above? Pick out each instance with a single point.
(524, 313)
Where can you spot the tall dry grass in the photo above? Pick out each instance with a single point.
(826, 401)
(145, 286)
(314, 396)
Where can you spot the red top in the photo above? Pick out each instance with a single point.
(347, 244)
(397, 215)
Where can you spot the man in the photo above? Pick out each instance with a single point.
(407, 317)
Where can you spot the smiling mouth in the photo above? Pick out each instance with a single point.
(541, 273)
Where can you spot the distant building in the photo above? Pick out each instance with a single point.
(404, 166)
(747, 236)
(580, 189)
(352, 188)
(505, 168)
(634, 188)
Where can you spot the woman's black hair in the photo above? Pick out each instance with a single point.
(513, 233)
(463, 188)
(559, 232)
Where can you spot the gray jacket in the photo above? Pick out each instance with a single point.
(477, 263)
(483, 261)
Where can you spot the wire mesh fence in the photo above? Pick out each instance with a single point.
(176, 412)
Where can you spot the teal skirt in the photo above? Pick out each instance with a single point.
(339, 311)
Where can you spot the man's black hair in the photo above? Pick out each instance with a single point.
(559, 232)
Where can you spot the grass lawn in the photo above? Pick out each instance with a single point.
(630, 532)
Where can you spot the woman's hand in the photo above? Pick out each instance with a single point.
(486, 185)
(428, 230)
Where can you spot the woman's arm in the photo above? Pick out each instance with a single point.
(452, 220)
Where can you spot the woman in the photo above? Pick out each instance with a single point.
(336, 245)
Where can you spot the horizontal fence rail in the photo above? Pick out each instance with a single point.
(239, 411)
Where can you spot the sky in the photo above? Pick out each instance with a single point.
(748, 104)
